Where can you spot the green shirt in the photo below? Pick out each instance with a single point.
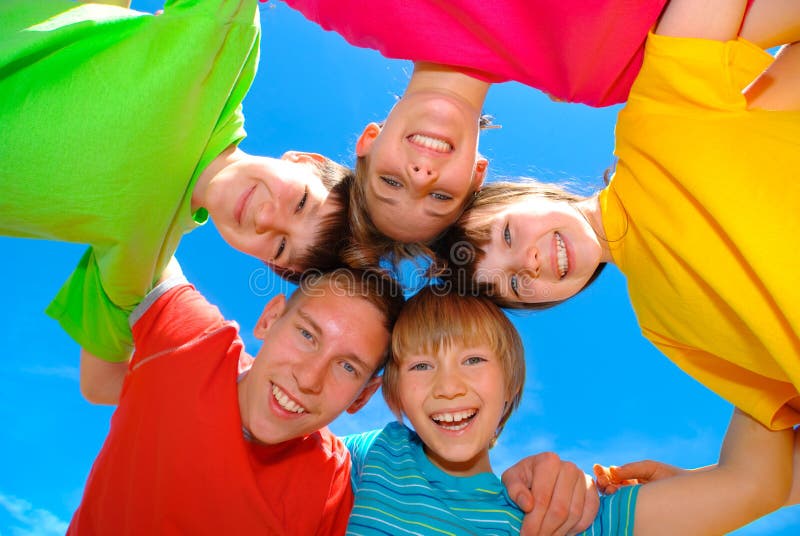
(108, 116)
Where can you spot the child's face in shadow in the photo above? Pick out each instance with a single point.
(454, 400)
(421, 166)
(269, 208)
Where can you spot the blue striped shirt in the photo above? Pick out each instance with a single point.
(398, 491)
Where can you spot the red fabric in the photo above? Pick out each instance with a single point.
(585, 51)
(175, 460)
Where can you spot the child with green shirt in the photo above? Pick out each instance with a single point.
(120, 130)
(456, 372)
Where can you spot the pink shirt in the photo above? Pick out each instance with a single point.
(585, 51)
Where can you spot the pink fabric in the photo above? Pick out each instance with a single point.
(585, 51)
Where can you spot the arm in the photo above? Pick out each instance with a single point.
(752, 478)
(557, 496)
(101, 381)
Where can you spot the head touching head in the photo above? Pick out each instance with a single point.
(322, 350)
(524, 244)
(416, 175)
(435, 321)
(283, 211)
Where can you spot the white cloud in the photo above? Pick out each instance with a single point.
(66, 372)
(32, 521)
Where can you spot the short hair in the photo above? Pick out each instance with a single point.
(378, 288)
(461, 248)
(434, 320)
(332, 234)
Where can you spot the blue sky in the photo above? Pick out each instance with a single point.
(596, 390)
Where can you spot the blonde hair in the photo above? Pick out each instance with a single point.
(435, 319)
(461, 248)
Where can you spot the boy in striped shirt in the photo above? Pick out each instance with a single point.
(456, 372)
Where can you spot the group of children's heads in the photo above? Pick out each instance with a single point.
(453, 364)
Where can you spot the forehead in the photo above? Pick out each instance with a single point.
(347, 323)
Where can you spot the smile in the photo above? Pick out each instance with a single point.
(241, 204)
(436, 145)
(561, 256)
(454, 421)
(285, 402)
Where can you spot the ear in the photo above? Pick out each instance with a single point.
(303, 157)
(366, 394)
(364, 142)
(480, 173)
(272, 311)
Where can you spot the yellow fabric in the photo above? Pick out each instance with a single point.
(703, 217)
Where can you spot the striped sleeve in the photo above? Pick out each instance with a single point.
(358, 445)
(616, 514)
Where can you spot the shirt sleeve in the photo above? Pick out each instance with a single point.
(616, 514)
(359, 446)
(172, 314)
(690, 74)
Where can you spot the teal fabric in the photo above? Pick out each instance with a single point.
(399, 491)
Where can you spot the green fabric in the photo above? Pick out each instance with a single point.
(108, 116)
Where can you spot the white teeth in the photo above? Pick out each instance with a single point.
(434, 144)
(459, 419)
(285, 402)
(561, 251)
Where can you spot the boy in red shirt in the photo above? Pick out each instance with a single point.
(193, 450)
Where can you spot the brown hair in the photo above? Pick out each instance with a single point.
(378, 288)
(460, 250)
(435, 319)
(333, 230)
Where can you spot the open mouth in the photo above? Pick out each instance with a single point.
(454, 421)
(242, 203)
(285, 402)
(437, 145)
(561, 256)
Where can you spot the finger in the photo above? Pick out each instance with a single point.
(576, 506)
(518, 484)
(591, 506)
(544, 482)
(642, 470)
(561, 512)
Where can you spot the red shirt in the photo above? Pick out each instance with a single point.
(175, 460)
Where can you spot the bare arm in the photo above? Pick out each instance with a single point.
(753, 477)
(101, 381)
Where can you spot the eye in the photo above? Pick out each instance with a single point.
(514, 282)
(420, 366)
(474, 360)
(349, 368)
(507, 235)
(441, 197)
(307, 335)
(281, 247)
(302, 202)
(391, 182)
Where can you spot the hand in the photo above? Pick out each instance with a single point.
(610, 479)
(558, 498)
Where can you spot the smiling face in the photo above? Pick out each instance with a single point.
(317, 360)
(269, 208)
(539, 250)
(455, 399)
(422, 165)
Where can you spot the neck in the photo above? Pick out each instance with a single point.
(475, 466)
(436, 77)
(223, 160)
(590, 208)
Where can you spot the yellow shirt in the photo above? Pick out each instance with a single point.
(703, 217)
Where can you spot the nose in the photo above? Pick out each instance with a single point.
(530, 262)
(448, 384)
(421, 174)
(310, 376)
(269, 218)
